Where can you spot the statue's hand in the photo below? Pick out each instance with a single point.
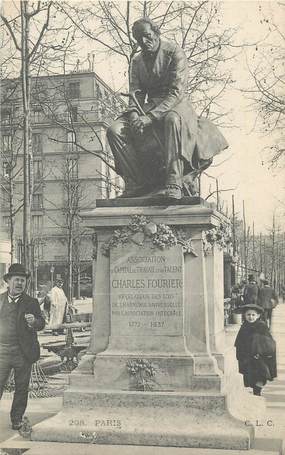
(133, 116)
(141, 123)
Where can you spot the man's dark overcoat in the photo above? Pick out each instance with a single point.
(27, 336)
(250, 293)
(254, 340)
(164, 83)
(267, 297)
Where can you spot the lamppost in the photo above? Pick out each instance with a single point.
(51, 274)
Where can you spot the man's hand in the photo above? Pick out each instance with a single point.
(139, 123)
(30, 318)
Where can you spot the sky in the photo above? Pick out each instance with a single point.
(243, 166)
(262, 189)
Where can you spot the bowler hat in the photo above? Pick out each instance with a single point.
(249, 306)
(16, 269)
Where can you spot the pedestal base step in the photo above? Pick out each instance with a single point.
(146, 418)
(42, 448)
(55, 448)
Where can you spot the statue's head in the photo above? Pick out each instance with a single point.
(146, 33)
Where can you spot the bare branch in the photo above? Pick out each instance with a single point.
(7, 23)
(44, 28)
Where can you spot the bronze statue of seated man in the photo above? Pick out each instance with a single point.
(159, 145)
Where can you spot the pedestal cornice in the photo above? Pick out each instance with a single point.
(172, 215)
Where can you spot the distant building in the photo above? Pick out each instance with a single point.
(69, 115)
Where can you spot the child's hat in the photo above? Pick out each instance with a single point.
(249, 306)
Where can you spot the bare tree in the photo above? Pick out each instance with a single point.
(20, 35)
(268, 92)
(195, 25)
(36, 38)
(12, 199)
(75, 196)
(69, 118)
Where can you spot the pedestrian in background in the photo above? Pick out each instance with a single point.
(255, 349)
(58, 304)
(242, 286)
(267, 299)
(20, 319)
(250, 293)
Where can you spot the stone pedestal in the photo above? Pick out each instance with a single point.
(215, 287)
(150, 375)
(228, 271)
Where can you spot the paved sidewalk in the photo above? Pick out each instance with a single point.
(269, 432)
(274, 392)
(38, 409)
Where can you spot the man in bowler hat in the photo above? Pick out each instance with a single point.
(20, 319)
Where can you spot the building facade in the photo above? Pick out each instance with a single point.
(70, 167)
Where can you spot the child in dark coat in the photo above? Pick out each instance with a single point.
(255, 350)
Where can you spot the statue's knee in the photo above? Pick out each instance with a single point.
(172, 118)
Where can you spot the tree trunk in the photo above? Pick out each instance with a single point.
(244, 240)
(26, 132)
(70, 245)
(11, 210)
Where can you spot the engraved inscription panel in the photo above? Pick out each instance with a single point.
(146, 291)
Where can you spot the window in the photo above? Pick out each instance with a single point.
(6, 221)
(6, 143)
(37, 144)
(37, 114)
(38, 168)
(71, 147)
(16, 113)
(72, 168)
(74, 90)
(6, 169)
(6, 117)
(74, 113)
(98, 91)
(38, 251)
(37, 201)
(5, 197)
(37, 221)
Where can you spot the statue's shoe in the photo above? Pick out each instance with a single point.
(173, 192)
(17, 424)
(158, 192)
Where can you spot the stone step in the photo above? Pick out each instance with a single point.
(268, 444)
(270, 397)
(280, 385)
(276, 405)
(91, 449)
(146, 425)
(274, 389)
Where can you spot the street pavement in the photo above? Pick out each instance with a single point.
(83, 305)
(269, 432)
(274, 392)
